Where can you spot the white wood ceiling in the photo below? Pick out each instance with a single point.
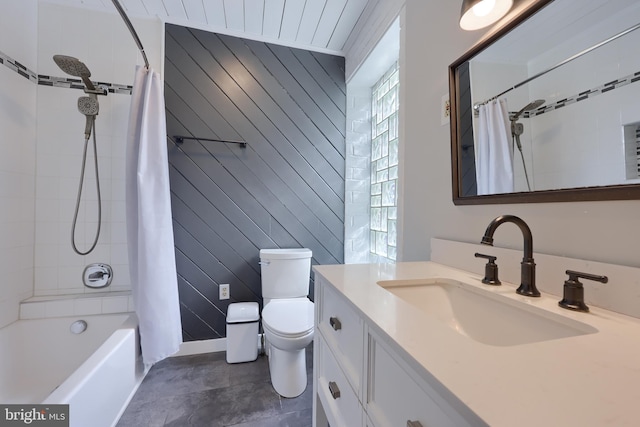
(322, 25)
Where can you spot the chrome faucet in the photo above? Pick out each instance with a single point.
(528, 270)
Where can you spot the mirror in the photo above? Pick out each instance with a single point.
(556, 93)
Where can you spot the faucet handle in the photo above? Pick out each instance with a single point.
(490, 269)
(573, 292)
(575, 275)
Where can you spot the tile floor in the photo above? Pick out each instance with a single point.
(205, 391)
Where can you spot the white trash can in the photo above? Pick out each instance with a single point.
(242, 332)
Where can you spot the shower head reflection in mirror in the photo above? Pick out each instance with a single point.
(518, 128)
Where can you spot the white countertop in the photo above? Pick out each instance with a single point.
(586, 380)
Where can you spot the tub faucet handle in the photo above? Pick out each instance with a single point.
(490, 269)
(573, 291)
(97, 275)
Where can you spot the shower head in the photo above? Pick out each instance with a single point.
(533, 105)
(88, 105)
(74, 67)
(530, 106)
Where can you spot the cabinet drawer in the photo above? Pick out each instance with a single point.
(344, 332)
(394, 398)
(339, 401)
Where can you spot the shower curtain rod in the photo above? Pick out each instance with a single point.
(132, 30)
(571, 58)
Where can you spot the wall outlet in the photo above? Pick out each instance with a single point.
(445, 109)
(223, 291)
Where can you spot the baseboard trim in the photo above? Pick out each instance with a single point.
(207, 346)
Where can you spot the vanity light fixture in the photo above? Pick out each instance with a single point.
(476, 14)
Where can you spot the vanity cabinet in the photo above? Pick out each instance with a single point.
(388, 355)
(399, 396)
(338, 358)
(339, 401)
(343, 331)
(361, 380)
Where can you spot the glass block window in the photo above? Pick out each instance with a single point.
(384, 164)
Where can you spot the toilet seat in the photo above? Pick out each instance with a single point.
(288, 318)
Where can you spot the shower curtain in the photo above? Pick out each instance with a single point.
(149, 224)
(493, 149)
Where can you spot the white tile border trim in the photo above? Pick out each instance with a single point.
(64, 82)
(76, 305)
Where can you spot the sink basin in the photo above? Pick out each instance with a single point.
(483, 316)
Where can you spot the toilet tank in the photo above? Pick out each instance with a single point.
(285, 272)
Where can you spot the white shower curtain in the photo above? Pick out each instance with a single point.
(149, 224)
(493, 149)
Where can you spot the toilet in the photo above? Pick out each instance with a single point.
(287, 316)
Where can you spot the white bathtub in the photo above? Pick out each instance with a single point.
(96, 372)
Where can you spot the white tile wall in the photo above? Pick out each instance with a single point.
(357, 182)
(41, 153)
(361, 76)
(103, 43)
(580, 152)
(591, 151)
(18, 31)
(17, 162)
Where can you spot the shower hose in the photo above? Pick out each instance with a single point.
(516, 138)
(75, 215)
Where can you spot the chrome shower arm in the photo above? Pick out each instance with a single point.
(89, 84)
(91, 89)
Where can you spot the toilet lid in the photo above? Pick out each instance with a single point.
(288, 317)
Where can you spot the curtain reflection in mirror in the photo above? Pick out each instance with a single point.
(493, 149)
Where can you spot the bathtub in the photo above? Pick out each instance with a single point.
(96, 372)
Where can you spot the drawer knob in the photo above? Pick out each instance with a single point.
(335, 323)
(334, 390)
(413, 423)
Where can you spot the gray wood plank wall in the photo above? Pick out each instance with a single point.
(285, 189)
